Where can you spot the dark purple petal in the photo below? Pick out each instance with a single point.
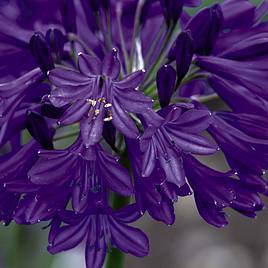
(163, 212)
(204, 28)
(250, 74)
(239, 98)
(91, 130)
(192, 121)
(173, 167)
(211, 214)
(89, 65)
(47, 172)
(56, 41)
(192, 3)
(184, 53)
(74, 113)
(195, 144)
(115, 176)
(111, 65)
(129, 239)
(69, 237)
(237, 13)
(149, 160)
(133, 100)
(128, 214)
(95, 256)
(132, 80)
(122, 121)
(61, 76)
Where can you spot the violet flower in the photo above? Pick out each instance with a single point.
(98, 97)
(85, 169)
(171, 133)
(102, 228)
(215, 191)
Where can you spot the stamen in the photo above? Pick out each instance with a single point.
(91, 102)
(102, 100)
(107, 105)
(107, 119)
(97, 112)
(109, 116)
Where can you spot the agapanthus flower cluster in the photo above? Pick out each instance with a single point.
(131, 81)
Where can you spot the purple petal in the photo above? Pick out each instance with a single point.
(128, 214)
(149, 160)
(132, 80)
(61, 76)
(111, 65)
(129, 239)
(195, 144)
(89, 65)
(115, 176)
(204, 37)
(74, 113)
(163, 212)
(173, 167)
(20, 84)
(133, 100)
(63, 95)
(95, 256)
(192, 121)
(51, 171)
(238, 13)
(91, 129)
(69, 237)
(122, 121)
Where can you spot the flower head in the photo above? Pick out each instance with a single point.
(97, 96)
(90, 141)
(102, 228)
(171, 133)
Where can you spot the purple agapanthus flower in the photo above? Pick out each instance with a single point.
(98, 97)
(86, 169)
(102, 228)
(130, 87)
(214, 190)
(169, 134)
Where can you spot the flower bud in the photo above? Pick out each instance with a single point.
(166, 78)
(172, 10)
(205, 27)
(38, 128)
(68, 13)
(41, 52)
(56, 41)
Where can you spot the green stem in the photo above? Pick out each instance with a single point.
(66, 136)
(161, 56)
(121, 34)
(74, 38)
(115, 258)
